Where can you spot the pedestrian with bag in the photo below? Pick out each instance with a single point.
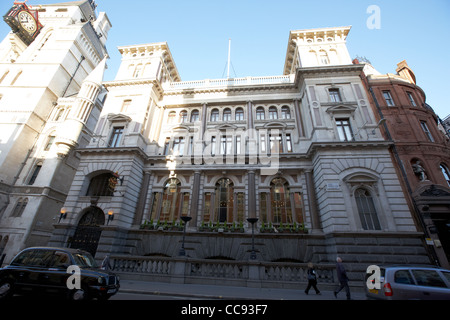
(342, 277)
(312, 279)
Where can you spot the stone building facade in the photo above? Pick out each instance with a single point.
(51, 96)
(302, 153)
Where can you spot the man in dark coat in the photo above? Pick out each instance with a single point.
(342, 277)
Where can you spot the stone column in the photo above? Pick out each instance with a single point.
(195, 196)
(301, 132)
(315, 219)
(251, 194)
(142, 198)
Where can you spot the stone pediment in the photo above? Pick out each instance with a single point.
(118, 117)
(346, 109)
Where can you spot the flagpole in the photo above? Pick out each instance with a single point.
(229, 58)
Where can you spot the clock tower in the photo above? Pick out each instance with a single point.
(24, 21)
(51, 95)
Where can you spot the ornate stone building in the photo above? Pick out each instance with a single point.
(51, 96)
(301, 153)
(421, 153)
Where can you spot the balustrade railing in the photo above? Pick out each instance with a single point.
(233, 271)
(228, 82)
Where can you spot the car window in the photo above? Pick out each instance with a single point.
(60, 259)
(429, 278)
(403, 276)
(84, 259)
(33, 258)
(446, 275)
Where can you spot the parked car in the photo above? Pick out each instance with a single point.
(45, 269)
(405, 282)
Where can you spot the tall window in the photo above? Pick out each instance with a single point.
(224, 200)
(171, 117)
(195, 115)
(178, 146)
(227, 114)
(171, 200)
(288, 143)
(285, 112)
(335, 95)
(116, 136)
(166, 146)
(366, 210)
(276, 143)
(214, 115)
(344, 129)
(20, 207)
(388, 98)
(323, 56)
(183, 116)
(49, 143)
(36, 171)
(280, 201)
(260, 113)
(226, 145)
(273, 114)
(125, 105)
(427, 132)
(411, 99)
(446, 173)
(239, 116)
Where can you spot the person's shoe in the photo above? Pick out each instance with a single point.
(318, 293)
(306, 292)
(335, 294)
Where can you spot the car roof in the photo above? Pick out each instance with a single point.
(70, 250)
(411, 266)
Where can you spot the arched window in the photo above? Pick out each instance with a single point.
(239, 116)
(171, 117)
(183, 116)
(227, 114)
(285, 112)
(137, 71)
(195, 115)
(260, 113)
(20, 207)
(446, 173)
(101, 185)
(273, 113)
(323, 57)
(171, 200)
(366, 210)
(224, 200)
(280, 201)
(214, 115)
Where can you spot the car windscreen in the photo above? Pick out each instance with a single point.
(84, 259)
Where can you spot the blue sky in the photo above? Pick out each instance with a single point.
(197, 32)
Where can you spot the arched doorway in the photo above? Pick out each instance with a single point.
(88, 231)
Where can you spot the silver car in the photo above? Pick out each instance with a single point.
(405, 282)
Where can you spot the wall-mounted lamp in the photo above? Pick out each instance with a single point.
(110, 216)
(382, 121)
(62, 214)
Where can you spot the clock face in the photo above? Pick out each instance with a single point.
(27, 21)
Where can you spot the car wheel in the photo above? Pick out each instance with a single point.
(79, 294)
(6, 290)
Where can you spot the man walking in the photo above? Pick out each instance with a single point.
(342, 277)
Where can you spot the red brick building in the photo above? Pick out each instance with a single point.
(421, 151)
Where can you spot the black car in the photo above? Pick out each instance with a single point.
(71, 272)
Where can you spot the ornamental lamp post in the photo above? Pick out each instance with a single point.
(185, 219)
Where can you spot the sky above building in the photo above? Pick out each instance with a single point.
(198, 32)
